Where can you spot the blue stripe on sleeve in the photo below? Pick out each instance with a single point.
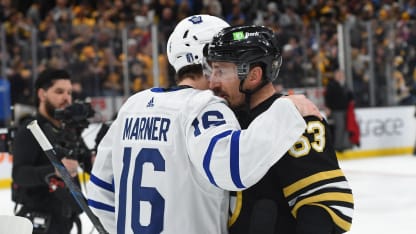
(208, 155)
(101, 206)
(101, 183)
(235, 159)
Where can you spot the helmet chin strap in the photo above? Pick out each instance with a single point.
(249, 92)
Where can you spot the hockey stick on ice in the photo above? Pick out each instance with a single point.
(75, 190)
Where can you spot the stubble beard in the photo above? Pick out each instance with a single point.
(50, 109)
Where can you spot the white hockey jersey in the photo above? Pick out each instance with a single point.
(167, 160)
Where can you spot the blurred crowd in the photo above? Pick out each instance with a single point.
(86, 37)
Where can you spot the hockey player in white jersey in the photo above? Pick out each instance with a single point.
(168, 159)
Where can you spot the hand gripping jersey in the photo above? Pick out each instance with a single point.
(304, 192)
(164, 163)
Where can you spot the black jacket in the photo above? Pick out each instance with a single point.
(31, 174)
(336, 96)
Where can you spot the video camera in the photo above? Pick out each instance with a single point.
(76, 115)
(68, 141)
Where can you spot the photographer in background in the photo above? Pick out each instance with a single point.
(38, 190)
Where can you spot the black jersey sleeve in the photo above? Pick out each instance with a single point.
(315, 178)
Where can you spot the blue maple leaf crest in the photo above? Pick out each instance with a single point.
(196, 19)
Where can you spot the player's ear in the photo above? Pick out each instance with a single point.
(255, 74)
(41, 94)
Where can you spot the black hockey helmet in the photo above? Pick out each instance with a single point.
(247, 46)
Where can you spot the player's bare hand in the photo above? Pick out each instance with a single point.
(305, 106)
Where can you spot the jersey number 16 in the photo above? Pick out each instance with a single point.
(141, 193)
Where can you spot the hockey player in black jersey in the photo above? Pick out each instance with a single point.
(305, 192)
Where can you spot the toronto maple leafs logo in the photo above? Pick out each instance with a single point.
(196, 19)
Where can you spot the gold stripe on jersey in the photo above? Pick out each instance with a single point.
(323, 197)
(340, 222)
(289, 190)
(237, 210)
(327, 197)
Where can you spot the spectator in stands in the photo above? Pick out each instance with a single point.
(82, 24)
(33, 13)
(213, 8)
(6, 10)
(19, 77)
(62, 15)
(112, 85)
(236, 17)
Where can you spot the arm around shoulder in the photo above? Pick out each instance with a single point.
(305, 106)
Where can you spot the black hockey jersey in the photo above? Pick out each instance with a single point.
(304, 192)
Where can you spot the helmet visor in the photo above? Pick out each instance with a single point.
(206, 68)
(222, 72)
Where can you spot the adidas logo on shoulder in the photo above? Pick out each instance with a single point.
(151, 103)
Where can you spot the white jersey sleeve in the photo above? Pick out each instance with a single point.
(101, 197)
(234, 159)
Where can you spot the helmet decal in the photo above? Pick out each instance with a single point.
(196, 19)
(238, 35)
(189, 57)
